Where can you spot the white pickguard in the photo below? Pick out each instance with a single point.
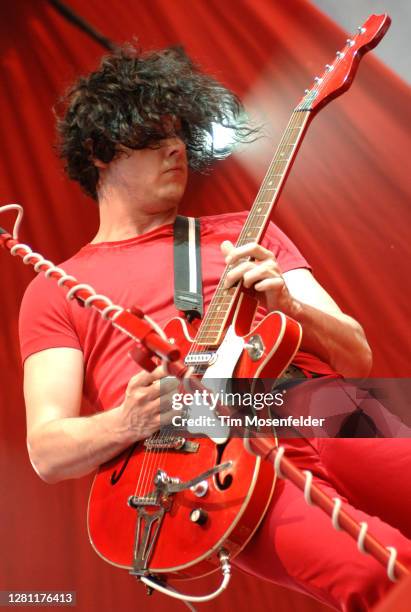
(228, 353)
(225, 361)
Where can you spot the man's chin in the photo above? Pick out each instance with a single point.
(172, 196)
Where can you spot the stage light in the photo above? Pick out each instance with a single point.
(223, 139)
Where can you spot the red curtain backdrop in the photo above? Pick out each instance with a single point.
(346, 205)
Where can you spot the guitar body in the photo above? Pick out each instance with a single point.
(233, 504)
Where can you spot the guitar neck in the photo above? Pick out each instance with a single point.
(221, 306)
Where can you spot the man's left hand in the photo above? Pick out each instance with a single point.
(261, 272)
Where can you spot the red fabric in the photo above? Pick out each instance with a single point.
(346, 206)
(138, 271)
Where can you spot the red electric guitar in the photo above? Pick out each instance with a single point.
(169, 505)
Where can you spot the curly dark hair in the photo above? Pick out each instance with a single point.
(125, 102)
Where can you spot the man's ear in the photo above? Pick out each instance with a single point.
(99, 164)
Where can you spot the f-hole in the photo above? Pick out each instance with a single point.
(115, 476)
(228, 479)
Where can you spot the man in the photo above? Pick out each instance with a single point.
(129, 132)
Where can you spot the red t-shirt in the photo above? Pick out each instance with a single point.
(137, 271)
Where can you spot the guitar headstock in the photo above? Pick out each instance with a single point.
(339, 75)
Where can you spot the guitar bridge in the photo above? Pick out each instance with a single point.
(175, 443)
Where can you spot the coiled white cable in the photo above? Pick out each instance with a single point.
(336, 511)
(20, 213)
(51, 268)
(335, 514)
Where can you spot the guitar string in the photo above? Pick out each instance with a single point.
(144, 475)
(152, 458)
(145, 470)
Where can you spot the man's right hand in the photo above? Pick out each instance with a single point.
(147, 403)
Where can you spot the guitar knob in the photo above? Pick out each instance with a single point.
(198, 516)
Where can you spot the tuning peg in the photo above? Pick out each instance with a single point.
(339, 54)
(361, 29)
(317, 79)
(350, 42)
(306, 91)
(329, 67)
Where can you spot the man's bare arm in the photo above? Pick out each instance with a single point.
(63, 444)
(335, 337)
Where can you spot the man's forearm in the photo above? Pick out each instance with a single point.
(337, 339)
(72, 447)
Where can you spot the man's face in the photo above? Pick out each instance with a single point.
(156, 178)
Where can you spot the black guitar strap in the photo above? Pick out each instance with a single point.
(188, 294)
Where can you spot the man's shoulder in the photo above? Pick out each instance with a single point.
(230, 225)
(224, 219)
(226, 226)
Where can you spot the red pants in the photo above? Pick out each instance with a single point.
(296, 545)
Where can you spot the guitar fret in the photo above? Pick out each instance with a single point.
(254, 227)
(211, 325)
(208, 338)
(216, 319)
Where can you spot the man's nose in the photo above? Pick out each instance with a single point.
(175, 147)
